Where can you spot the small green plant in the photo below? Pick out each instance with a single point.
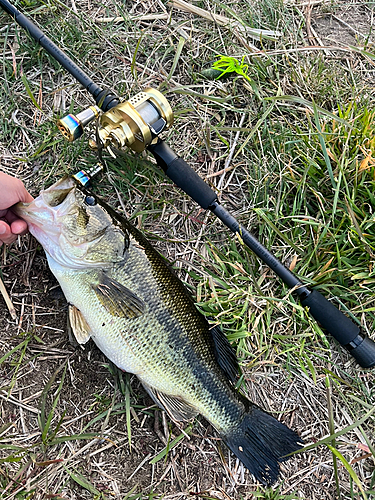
(227, 64)
(274, 494)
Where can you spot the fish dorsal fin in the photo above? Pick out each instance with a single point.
(176, 408)
(225, 354)
(79, 325)
(117, 299)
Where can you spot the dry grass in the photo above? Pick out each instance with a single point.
(68, 436)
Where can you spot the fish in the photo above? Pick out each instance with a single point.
(125, 296)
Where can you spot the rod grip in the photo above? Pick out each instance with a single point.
(347, 333)
(180, 172)
(189, 181)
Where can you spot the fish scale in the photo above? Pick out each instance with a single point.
(123, 295)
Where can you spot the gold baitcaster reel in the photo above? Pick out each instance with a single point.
(133, 123)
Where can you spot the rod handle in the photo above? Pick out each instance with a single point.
(347, 333)
(182, 174)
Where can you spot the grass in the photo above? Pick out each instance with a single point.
(301, 178)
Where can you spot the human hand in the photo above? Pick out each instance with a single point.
(12, 191)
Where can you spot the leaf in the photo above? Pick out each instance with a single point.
(180, 46)
(15, 349)
(43, 399)
(170, 446)
(82, 481)
(323, 146)
(73, 437)
(29, 92)
(349, 468)
(52, 412)
(133, 67)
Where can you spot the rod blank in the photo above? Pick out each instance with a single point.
(343, 329)
(103, 98)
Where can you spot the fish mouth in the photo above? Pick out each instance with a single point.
(43, 213)
(20, 209)
(56, 194)
(35, 218)
(48, 201)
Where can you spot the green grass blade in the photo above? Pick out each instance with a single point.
(29, 92)
(349, 468)
(331, 424)
(75, 437)
(52, 411)
(12, 351)
(82, 481)
(323, 145)
(42, 418)
(171, 445)
(177, 55)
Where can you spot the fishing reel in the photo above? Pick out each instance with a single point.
(131, 124)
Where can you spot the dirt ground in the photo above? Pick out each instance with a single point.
(199, 466)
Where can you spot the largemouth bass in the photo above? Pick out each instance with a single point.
(123, 295)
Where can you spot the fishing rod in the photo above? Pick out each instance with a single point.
(137, 124)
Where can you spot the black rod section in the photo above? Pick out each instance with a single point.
(103, 98)
(347, 333)
(189, 181)
(265, 255)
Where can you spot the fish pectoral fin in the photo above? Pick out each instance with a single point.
(176, 408)
(117, 299)
(79, 325)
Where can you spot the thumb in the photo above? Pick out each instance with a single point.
(25, 196)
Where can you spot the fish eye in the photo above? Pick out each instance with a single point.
(90, 200)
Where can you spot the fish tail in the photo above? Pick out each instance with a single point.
(261, 442)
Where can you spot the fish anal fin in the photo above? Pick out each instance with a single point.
(117, 299)
(176, 408)
(79, 325)
(225, 354)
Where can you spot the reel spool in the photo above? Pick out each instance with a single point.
(134, 123)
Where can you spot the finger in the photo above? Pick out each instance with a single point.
(27, 198)
(4, 229)
(19, 227)
(11, 216)
(6, 235)
(20, 192)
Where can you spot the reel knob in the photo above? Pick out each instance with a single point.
(71, 126)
